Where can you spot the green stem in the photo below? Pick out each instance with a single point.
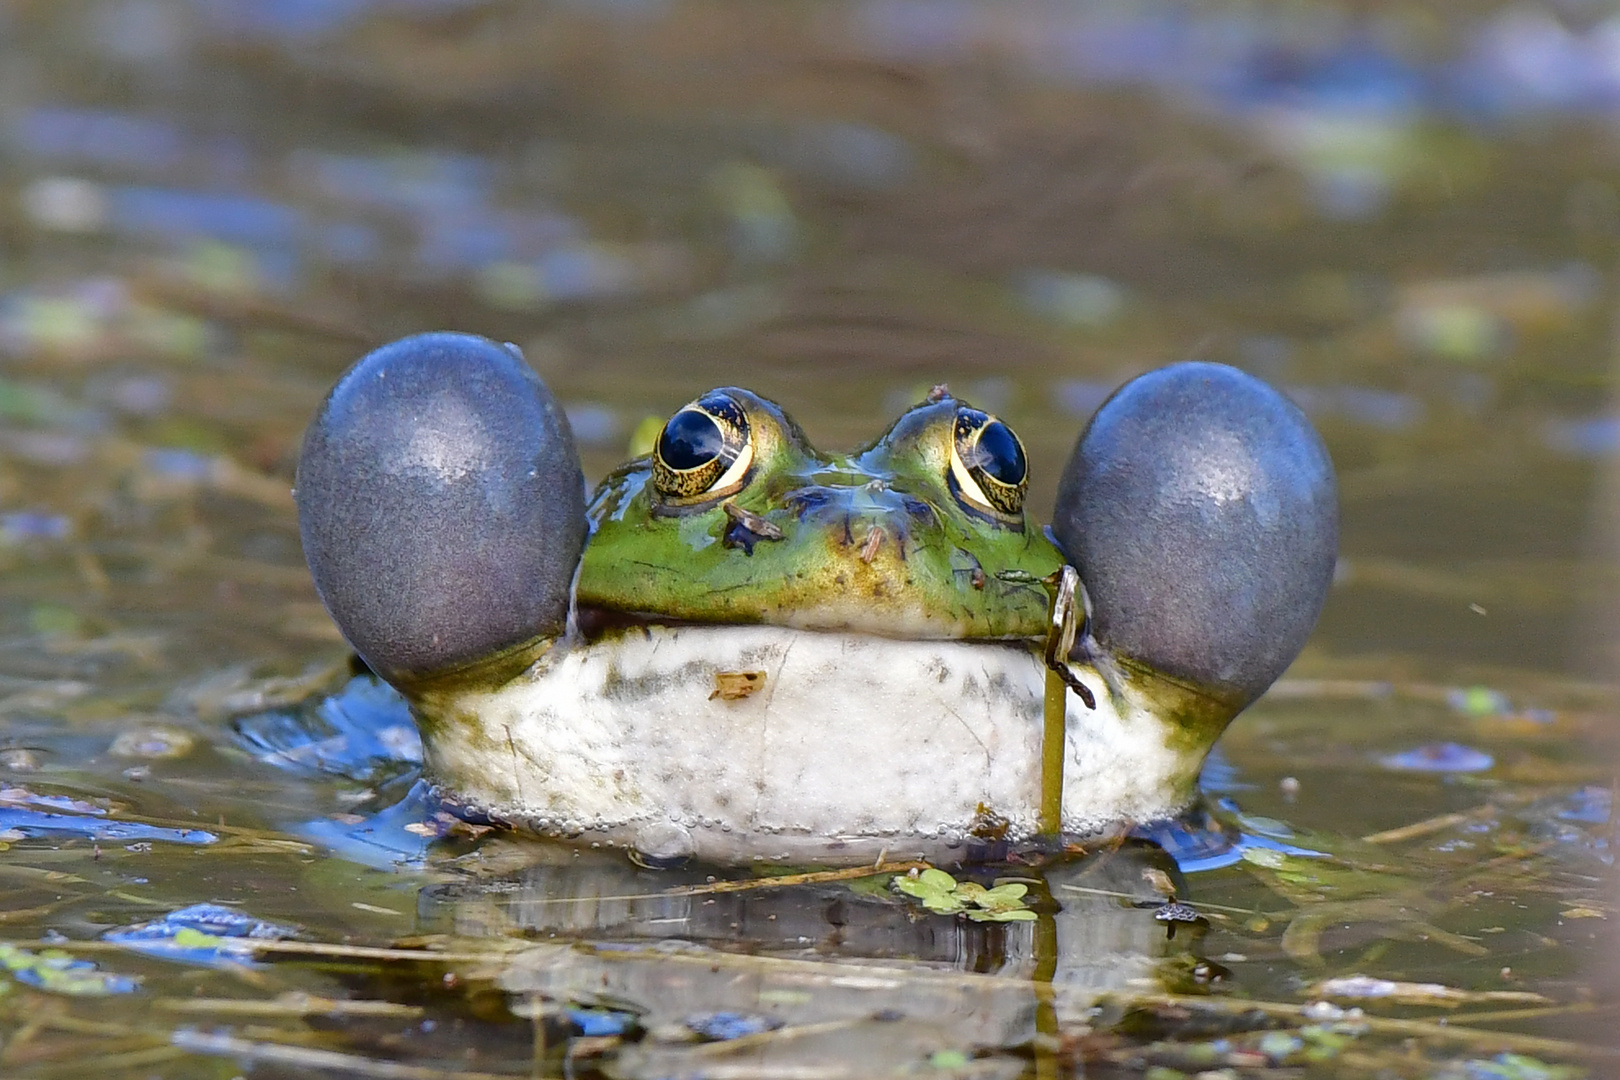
(1054, 740)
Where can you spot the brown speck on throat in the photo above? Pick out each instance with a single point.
(874, 541)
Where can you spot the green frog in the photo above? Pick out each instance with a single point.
(742, 648)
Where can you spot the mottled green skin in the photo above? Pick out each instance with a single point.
(934, 573)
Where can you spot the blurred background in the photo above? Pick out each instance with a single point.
(1404, 215)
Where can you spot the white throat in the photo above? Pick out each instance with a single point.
(848, 747)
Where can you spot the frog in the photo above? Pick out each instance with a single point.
(742, 648)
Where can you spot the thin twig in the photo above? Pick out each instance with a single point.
(1425, 827)
(304, 1057)
(371, 952)
(1201, 906)
(107, 1064)
(748, 1043)
(290, 1004)
(1522, 1014)
(815, 877)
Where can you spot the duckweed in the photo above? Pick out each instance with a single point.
(944, 895)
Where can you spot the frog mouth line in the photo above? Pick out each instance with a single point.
(595, 623)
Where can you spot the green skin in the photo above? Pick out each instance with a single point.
(878, 541)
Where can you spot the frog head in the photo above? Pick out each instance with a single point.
(735, 518)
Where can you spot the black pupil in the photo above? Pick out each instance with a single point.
(690, 439)
(1000, 455)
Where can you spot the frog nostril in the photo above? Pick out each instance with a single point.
(919, 510)
(805, 500)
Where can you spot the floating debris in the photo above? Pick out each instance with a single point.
(57, 972)
(155, 741)
(725, 1026)
(69, 136)
(35, 823)
(1352, 154)
(1444, 757)
(26, 525)
(1280, 1045)
(1412, 993)
(603, 1023)
(208, 934)
(1506, 1066)
(1201, 842)
(179, 213)
(1479, 701)
(82, 818)
(1592, 437)
(19, 796)
(1174, 911)
(1469, 319)
(1591, 805)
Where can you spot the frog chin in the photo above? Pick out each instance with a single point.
(733, 744)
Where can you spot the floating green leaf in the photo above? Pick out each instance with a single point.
(935, 888)
(187, 938)
(59, 973)
(1271, 860)
(944, 895)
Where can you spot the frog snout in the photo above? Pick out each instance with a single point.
(864, 520)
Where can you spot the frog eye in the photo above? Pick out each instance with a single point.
(987, 463)
(705, 449)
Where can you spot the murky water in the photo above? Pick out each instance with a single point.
(1406, 217)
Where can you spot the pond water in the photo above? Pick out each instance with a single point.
(1405, 216)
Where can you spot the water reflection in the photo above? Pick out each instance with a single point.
(844, 965)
